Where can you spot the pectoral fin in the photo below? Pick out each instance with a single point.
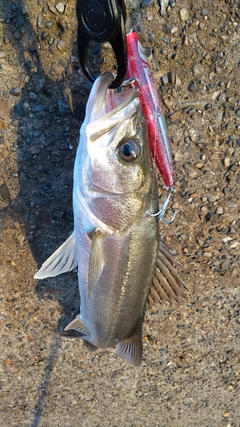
(131, 349)
(167, 284)
(77, 325)
(61, 261)
(96, 260)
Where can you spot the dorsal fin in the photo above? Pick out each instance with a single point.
(167, 285)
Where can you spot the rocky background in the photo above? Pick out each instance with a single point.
(190, 374)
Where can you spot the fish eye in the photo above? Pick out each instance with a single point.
(129, 151)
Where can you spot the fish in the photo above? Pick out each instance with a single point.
(115, 241)
(139, 69)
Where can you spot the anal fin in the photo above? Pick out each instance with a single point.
(77, 325)
(131, 349)
(167, 285)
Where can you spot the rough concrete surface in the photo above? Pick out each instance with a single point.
(190, 373)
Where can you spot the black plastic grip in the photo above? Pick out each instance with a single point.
(102, 21)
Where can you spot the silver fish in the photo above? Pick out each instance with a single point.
(115, 242)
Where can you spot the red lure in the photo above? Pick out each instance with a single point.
(138, 68)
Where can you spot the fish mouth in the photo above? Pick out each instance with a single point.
(108, 108)
(106, 102)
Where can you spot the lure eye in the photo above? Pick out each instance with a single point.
(129, 151)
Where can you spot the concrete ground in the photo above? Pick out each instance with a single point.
(190, 374)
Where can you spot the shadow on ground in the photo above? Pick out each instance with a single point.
(48, 115)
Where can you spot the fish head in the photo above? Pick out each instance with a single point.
(115, 163)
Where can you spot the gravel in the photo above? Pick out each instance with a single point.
(190, 373)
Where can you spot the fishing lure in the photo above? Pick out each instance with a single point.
(139, 70)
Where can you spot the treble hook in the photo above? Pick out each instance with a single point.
(162, 212)
(132, 83)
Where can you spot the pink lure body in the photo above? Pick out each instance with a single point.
(139, 69)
